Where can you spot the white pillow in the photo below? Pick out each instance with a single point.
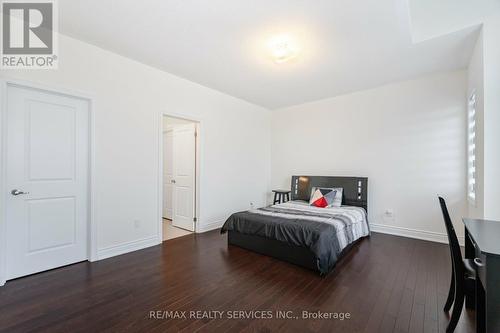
(337, 201)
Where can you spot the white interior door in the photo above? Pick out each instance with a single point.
(184, 150)
(168, 173)
(47, 180)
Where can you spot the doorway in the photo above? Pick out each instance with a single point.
(47, 143)
(179, 180)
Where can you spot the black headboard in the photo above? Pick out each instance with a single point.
(355, 189)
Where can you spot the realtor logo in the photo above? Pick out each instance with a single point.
(28, 34)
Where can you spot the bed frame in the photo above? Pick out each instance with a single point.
(355, 193)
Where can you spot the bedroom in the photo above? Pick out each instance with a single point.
(377, 90)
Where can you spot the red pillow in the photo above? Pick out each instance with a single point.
(321, 202)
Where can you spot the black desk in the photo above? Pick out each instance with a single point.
(482, 243)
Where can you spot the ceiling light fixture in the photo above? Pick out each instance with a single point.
(283, 48)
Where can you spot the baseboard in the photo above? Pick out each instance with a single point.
(413, 233)
(209, 226)
(127, 247)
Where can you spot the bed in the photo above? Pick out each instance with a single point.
(298, 233)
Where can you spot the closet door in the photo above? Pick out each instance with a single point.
(47, 180)
(184, 157)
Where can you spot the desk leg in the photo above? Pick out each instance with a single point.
(480, 307)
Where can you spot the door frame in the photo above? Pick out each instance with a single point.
(198, 125)
(91, 223)
(165, 132)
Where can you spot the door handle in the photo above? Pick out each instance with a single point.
(173, 181)
(17, 192)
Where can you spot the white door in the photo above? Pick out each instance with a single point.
(184, 149)
(47, 180)
(168, 173)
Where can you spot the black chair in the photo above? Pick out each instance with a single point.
(462, 275)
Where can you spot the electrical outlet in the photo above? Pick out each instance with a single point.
(251, 205)
(137, 224)
(389, 216)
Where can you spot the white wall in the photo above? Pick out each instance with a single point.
(491, 57)
(430, 18)
(129, 96)
(407, 137)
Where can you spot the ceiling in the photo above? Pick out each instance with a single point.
(346, 45)
(431, 18)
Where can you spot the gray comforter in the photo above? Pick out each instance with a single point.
(324, 231)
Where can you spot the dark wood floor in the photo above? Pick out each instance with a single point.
(386, 283)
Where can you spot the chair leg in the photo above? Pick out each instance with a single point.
(457, 311)
(451, 293)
